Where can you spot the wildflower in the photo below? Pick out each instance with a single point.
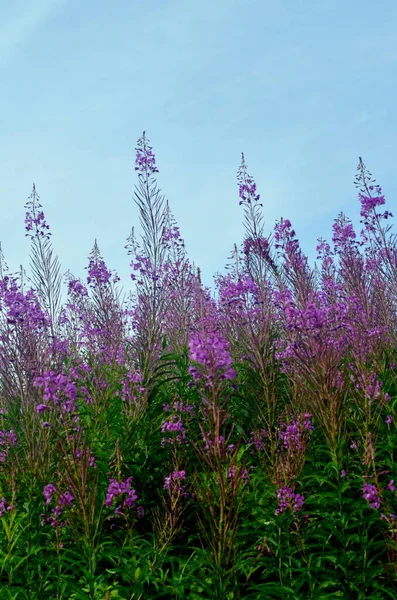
(211, 350)
(287, 499)
(171, 479)
(391, 486)
(343, 473)
(34, 218)
(48, 493)
(231, 472)
(173, 424)
(371, 494)
(389, 420)
(291, 435)
(65, 499)
(117, 489)
(258, 439)
(145, 161)
(5, 506)
(368, 204)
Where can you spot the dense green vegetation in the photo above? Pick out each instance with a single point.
(184, 445)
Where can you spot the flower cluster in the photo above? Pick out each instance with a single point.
(371, 495)
(77, 288)
(22, 308)
(232, 472)
(145, 161)
(34, 218)
(291, 434)
(8, 439)
(172, 483)
(64, 500)
(118, 489)
(131, 387)
(58, 389)
(211, 350)
(173, 425)
(288, 499)
(247, 186)
(5, 506)
(258, 439)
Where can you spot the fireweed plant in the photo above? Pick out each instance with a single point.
(183, 444)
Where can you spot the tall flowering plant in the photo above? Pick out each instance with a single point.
(45, 267)
(148, 262)
(257, 253)
(222, 479)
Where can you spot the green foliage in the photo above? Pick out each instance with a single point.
(336, 545)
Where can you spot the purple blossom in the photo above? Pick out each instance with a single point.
(65, 500)
(5, 506)
(22, 309)
(184, 408)
(34, 218)
(369, 204)
(8, 439)
(211, 350)
(77, 288)
(172, 481)
(371, 494)
(344, 234)
(231, 473)
(258, 439)
(118, 489)
(173, 424)
(287, 499)
(58, 389)
(291, 436)
(247, 186)
(145, 161)
(307, 424)
(48, 493)
(98, 273)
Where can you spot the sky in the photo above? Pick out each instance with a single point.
(302, 87)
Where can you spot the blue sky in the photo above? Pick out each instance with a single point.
(302, 87)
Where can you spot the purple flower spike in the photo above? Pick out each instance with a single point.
(48, 493)
(4, 506)
(145, 162)
(371, 495)
(122, 488)
(287, 499)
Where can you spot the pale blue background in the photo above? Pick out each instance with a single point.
(303, 87)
